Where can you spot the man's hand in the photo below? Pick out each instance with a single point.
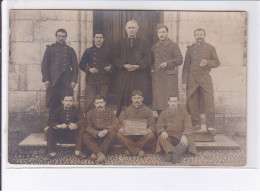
(164, 135)
(149, 130)
(47, 84)
(127, 66)
(93, 70)
(108, 68)
(203, 63)
(163, 65)
(102, 133)
(72, 85)
(62, 126)
(73, 126)
(184, 140)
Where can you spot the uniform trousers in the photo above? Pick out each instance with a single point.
(92, 90)
(135, 143)
(64, 136)
(98, 144)
(172, 144)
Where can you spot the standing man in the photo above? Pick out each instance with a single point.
(174, 131)
(199, 60)
(59, 70)
(132, 59)
(96, 62)
(166, 58)
(102, 126)
(135, 144)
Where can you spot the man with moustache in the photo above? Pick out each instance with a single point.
(135, 144)
(59, 70)
(199, 60)
(166, 58)
(132, 59)
(102, 126)
(174, 131)
(66, 124)
(96, 62)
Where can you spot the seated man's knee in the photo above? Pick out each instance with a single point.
(150, 135)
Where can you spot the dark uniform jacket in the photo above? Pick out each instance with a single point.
(142, 112)
(62, 115)
(135, 52)
(194, 75)
(98, 121)
(98, 58)
(58, 60)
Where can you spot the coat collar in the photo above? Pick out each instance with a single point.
(167, 42)
(132, 42)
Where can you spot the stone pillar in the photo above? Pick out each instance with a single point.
(85, 41)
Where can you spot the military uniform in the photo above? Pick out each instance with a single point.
(96, 122)
(176, 123)
(60, 67)
(65, 115)
(96, 83)
(200, 95)
(132, 51)
(135, 143)
(165, 81)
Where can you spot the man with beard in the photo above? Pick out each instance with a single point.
(166, 58)
(132, 60)
(102, 126)
(59, 70)
(135, 144)
(96, 62)
(174, 131)
(66, 125)
(199, 60)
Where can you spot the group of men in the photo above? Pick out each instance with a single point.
(133, 60)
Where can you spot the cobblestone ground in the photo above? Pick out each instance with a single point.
(65, 156)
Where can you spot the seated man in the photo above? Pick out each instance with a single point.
(137, 111)
(66, 123)
(102, 126)
(174, 131)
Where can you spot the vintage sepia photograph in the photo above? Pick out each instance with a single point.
(127, 88)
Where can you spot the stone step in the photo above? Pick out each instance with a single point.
(203, 135)
(221, 141)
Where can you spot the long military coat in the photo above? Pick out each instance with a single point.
(196, 76)
(134, 52)
(58, 58)
(165, 81)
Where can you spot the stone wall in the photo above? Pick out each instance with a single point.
(31, 31)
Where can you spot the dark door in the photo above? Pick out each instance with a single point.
(112, 23)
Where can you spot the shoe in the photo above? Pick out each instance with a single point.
(168, 158)
(141, 153)
(93, 156)
(52, 155)
(197, 127)
(81, 155)
(127, 153)
(212, 131)
(176, 157)
(100, 158)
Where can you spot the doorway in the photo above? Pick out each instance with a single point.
(113, 22)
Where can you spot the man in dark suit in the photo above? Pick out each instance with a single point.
(59, 70)
(132, 59)
(96, 62)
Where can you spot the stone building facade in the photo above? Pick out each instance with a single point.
(32, 30)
